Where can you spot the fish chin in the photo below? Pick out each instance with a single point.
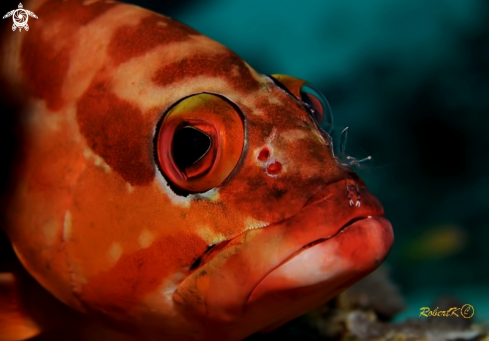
(266, 277)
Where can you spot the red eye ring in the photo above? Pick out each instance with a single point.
(211, 117)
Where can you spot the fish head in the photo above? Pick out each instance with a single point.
(308, 226)
(250, 219)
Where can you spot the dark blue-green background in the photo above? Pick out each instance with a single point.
(411, 79)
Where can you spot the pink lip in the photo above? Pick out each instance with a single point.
(319, 272)
(323, 254)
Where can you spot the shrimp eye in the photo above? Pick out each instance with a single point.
(318, 106)
(199, 142)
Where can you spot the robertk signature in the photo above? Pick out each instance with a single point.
(466, 311)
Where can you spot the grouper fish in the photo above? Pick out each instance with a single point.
(164, 188)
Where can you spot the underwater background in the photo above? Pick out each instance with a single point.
(411, 80)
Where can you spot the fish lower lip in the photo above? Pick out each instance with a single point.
(320, 270)
(312, 244)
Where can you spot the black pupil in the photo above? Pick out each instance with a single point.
(189, 146)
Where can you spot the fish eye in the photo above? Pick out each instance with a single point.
(318, 106)
(196, 146)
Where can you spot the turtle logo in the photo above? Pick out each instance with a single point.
(20, 17)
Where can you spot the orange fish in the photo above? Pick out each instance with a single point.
(167, 189)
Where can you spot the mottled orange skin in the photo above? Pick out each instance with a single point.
(92, 218)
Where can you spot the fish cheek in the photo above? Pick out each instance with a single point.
(123, 245)
(140, 273)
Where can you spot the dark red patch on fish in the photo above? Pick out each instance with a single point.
(225, 65)
(274, 168)
(141, 272)
(263, 155)
(132, 41)
(45, 61)
(116, 130)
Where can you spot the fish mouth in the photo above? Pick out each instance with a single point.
(321, 240)
(323, 268)
(211, 252)
(316, 242)
(267, 276)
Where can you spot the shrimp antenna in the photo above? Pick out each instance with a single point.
(350, 160)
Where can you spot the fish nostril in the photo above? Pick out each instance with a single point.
(274, 168)
(264, 154)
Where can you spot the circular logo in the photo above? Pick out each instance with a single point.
(467, 311)
(20, 17)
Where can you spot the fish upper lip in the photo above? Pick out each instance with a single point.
(320, 240)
